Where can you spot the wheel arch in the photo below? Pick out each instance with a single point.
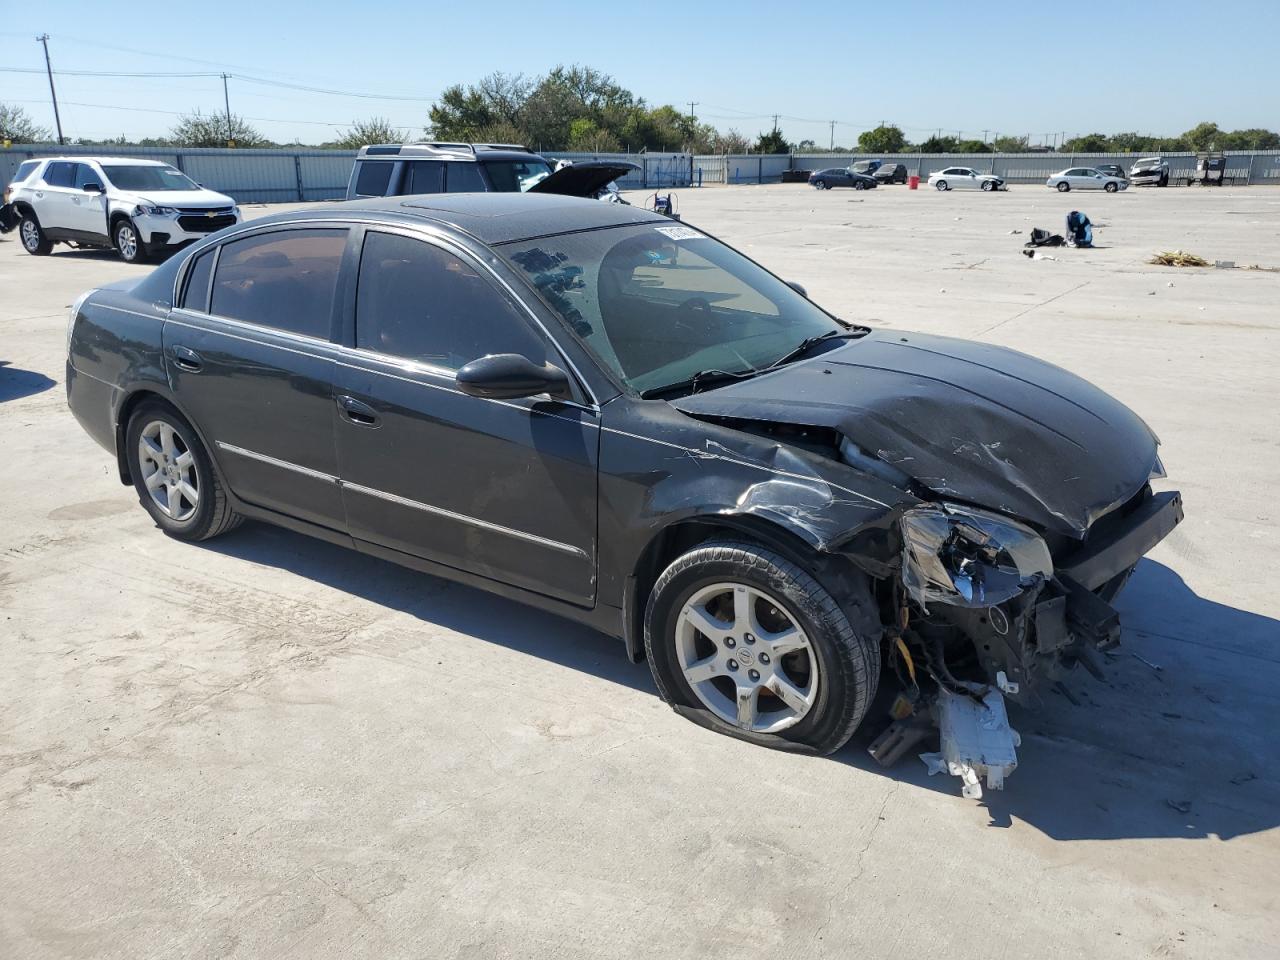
(684, 534)
(131, 401)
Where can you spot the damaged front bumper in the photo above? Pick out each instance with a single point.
(1028, 617)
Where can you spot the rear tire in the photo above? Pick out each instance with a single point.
(174, 475)
(33, 239)
(1064, 187)
(754, 603)
(942, 185)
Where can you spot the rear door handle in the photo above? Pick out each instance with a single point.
(357, 412)
(184, 358)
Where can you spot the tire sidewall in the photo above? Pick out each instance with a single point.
(194, 527)
(1064, 188)
(942, 185)
(41, 240)
(139, 253)
(820, 724)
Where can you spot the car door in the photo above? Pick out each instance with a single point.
(249, 353)
(53, 199)
(967, 180)
(88, 210)
(502, 489)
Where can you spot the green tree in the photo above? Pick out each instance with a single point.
(198, 129)
(1254, 138)
(883, 139)
(772, 142)
(1087, 143)
(1009, 144)
(732, 141)
(938, 145)
(364, 132)
(16, 125)
(1203, 136)
(1130, 143)
(972, 146)
(586, 136)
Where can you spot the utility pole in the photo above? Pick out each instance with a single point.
(833, 136)
(692, 118)
(984, 135)
(775, 123)
(43, 39)
(226, 100)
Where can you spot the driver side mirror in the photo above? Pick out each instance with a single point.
(92, 188)
(508, 376)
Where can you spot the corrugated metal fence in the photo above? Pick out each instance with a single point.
(274, 176)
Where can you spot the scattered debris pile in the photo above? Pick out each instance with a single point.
(1178, 258)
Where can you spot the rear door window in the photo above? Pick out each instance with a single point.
(284, 280)
(420, 302)
(465, 178)
(195, 296)
(422, 176)
(373, 178)
(59, 174)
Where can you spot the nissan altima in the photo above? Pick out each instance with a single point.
(614, 416)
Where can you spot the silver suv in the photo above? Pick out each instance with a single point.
(390, 170)
(138, 207)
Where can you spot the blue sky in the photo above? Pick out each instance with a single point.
(1158, 66)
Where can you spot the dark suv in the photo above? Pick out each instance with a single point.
(414, 168)
(891, 173)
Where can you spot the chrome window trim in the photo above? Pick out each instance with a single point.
(403, 501)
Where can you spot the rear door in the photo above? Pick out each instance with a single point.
(88, 211)
(53, 199)
(250, 358)
(503, 489)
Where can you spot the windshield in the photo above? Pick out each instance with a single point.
(151, 179)
(512, 176)
(658, 304)
(1146, 164)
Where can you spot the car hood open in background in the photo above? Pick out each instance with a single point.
(583, 179)
(968, 421)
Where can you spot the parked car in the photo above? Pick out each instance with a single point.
(1150, 171)
(868, 167)
(1086, 178)
(965, 178)
(1112, 170)
(891, 173)
(142, 208)
(9, 217)
(600, 412)
(403, 169)
(841, 177)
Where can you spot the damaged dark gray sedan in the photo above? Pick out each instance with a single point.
(615, 417)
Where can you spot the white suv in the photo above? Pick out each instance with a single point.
(139, 207)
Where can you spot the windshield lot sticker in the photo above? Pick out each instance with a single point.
(679, 233)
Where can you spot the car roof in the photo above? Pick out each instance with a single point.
(491, 218)
(466, 152)
(132, 161)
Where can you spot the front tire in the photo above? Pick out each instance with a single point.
(33, 239)
(745, 642)
(1111, 188)
(1064, 187)
(128, 242)
(859, 185)
(174, 476)
(819, 184)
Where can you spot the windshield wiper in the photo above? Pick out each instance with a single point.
(808, 343)
(700, 379)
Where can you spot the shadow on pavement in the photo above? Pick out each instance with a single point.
(1183, 751)
(16, 383)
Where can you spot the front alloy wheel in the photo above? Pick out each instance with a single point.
(747, 642)
(128, 243)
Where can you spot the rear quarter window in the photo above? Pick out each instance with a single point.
(195, 294)
(284, 280)
(25, 169)
(373, 177)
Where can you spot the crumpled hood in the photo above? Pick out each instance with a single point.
(968, 421)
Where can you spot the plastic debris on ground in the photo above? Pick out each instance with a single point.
(977, 740)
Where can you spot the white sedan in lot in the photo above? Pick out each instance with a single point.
(963, 178)
(1086, 178)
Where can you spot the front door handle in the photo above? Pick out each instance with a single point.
(357, 412)
(184, 358)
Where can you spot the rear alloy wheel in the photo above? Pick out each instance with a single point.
(128, 242)
(174, 476)
(745, 642)
(1063, 187)
(942, 185)
(1111, 188)
(33, 238)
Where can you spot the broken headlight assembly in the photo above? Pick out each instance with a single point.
(968, 557)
